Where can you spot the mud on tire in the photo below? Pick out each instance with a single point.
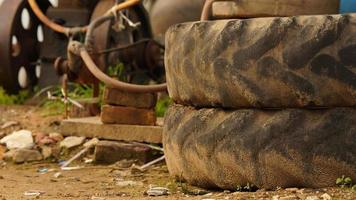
(265, 62)
(286, 148)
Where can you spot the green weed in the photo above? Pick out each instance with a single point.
(247, 188)
(162, 105)
(13, 99)
(345, 182)
(75, 92)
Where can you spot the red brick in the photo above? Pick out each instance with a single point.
(127, 115)
(137, 100)
(91, 108)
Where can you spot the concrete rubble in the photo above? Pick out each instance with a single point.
(26, 155)
(18, 140)
(72, 141)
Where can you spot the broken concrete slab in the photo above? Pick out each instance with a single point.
(92, 127)
(109, 152)
(127, 115)
(121, 98)
(26, 155)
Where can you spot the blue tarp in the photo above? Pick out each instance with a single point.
(347, 6)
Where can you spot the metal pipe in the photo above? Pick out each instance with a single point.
(205, 15)
(207, 8)
(66, 30)
(122, 6)
(45, 20)
(89, 38)
(127, 87)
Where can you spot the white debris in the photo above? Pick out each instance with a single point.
(9, 124)
(72, 141)
(312, 198)
(157, 191)
(57, 175)
(91, 143)
(128, 183)
(18, 140)
(326, 196)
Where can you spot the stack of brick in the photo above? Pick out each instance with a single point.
(128, 108)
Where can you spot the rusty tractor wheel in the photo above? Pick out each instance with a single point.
(269, 8)
(19, 45)
(285, 148)
(304, 61)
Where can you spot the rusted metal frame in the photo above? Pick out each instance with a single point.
(143, 41)
(54, 26)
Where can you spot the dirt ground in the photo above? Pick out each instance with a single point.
(99, 182)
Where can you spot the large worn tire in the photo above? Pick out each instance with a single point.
(265, 8)
(264, 62)
(288, 148)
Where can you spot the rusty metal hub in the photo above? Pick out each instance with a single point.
(20, 39)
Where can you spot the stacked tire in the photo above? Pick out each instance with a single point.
(265, 101)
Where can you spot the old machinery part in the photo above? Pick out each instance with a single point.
(68, 13)
(131, 27)
(76, 49)
(20, 37)
(67, 30)
(56, 27)
(128, 87)
(206, 10)
(80, 49)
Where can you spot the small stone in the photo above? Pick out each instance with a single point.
(301, 191)
(290, 197)
(39, 136)
(2, 134)
(275, 197)
(91, 143)
(294, 190)
(57, 175)
(9, 124)
(56, 137)
(2, 152)
(312, 198)
(18, 140)
(157, 191)
(46, 141)
(9, 155)
(326, 196)
(26, 155)
(46, 152)
(97, 198)
(72, 141)
(128, 183)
